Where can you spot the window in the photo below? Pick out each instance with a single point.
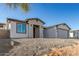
(21, 28)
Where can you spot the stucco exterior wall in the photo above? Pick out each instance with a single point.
(60, 31)
(63, 33)
(11, 25)
(71, 34)
(50, 32)
(63, 27)
(75, 34)
(41, 32)
(35, 22)
(78, 35)
(13, 33)
(30, 31)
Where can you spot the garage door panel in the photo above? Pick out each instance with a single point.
(62, 33)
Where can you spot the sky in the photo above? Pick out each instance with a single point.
(50, 13)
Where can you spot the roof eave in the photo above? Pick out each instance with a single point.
(35, 19)
(10, 19)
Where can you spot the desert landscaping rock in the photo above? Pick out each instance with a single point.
(39, 46)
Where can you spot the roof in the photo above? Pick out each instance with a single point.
(2, 24)
(58, 25)
(74, 30)
(35, 19)
(10, 19)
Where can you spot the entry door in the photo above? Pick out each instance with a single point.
(35, 31)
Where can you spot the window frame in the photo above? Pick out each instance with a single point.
(21, 28)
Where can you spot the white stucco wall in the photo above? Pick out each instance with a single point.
(74, 34)
(13, 33)
(71, 34)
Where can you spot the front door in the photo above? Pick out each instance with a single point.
(35, 31)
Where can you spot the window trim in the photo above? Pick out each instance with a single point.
(17, 28)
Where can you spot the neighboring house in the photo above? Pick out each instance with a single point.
(29, 28)
(4, 33)
(74, 34)
(33, 28)
(2, 26)
(57, 31)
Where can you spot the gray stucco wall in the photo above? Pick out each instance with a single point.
(41, 32)
(50, 32)
(63, 33)
(34, 22)
(60, 31)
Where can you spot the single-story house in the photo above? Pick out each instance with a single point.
(74, 34)
(29, 28)
(2, 26)
(3, 32)
(57, 31)
(34, 28)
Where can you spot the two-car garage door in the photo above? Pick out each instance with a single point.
(61, 33)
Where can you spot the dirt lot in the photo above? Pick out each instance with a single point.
(40, 47)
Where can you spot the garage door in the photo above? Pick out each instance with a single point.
(62, 33)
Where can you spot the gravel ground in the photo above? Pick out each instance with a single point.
(4, 45)
(39, 46)
(64, 51)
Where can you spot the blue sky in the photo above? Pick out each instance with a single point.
(51, 14)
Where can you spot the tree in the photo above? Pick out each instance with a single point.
(23, 6)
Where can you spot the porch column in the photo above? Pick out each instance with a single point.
(41, 32)
(30, 30)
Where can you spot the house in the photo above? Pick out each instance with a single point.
(29, 28)
(4, 33)
(2, 26)
(33, 28)
(74, 34)
(57, 31)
